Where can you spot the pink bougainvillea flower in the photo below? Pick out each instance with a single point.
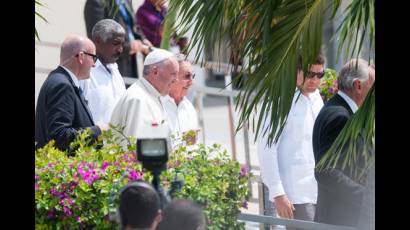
(133, 176)
(244, 170)
(104, 165)
(51, 214)
(245, 204)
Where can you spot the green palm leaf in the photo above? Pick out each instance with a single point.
(296, 30)
(358, 21)
(357, 24)
(38, 3)
(271, 35)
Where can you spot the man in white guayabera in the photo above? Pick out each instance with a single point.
(105, 86)
(287, 166)
(181, 113)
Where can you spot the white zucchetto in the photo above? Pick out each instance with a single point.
(157, 55)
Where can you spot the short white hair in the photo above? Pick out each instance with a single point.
(355, 69)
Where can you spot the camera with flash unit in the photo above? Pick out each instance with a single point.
(153, 153)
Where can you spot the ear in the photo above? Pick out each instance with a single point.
(98, 40)
(357, 84)
(155, 70)
(300, 79)
(158, 218)
(81, 58)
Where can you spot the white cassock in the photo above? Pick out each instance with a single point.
(140, 112)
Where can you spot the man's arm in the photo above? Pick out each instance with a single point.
(336, 182)
(60, 114)
(334, 179)
(268, 160)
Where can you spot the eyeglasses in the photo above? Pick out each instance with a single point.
(189, 76)
(95, 57)
(310, 74)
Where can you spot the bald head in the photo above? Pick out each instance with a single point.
(72, 45)
(78, 55)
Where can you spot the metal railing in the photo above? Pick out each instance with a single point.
(292, 223)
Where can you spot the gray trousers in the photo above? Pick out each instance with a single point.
(302, 211)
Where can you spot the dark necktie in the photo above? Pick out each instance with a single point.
(82, 95)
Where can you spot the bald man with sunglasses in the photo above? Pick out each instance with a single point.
(62, 111)
(287, 167)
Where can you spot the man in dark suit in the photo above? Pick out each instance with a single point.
(61, 108)
(121, 12)
(339, 192)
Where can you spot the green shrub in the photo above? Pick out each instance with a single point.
(212, 179)
(76, 192)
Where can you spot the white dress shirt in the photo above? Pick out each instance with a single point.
(182, 117)
(287, 167)
(102, 91)
(349, 101)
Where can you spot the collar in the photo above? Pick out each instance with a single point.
(171, 99)
(150, 88)
(315, 95)
(167, 98)
(353, 106)
(72, 75)
(109, 67)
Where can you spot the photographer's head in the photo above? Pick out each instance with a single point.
(139, 207)
(183, 214)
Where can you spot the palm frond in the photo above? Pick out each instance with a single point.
(358, 23)
(296, 30)
(345, 150)
(169, 26)
(37, 2)
(271, 35)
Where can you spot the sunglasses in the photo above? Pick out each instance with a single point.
(310, 74)
(95, 57)
(189, 76)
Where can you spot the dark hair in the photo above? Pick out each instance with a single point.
(139, 205)
(182, 215)
(320, 60)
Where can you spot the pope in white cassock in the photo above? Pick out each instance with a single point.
(139, 111)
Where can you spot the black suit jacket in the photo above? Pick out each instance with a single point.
(61, 112)
(96, 10)
(339, 193)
